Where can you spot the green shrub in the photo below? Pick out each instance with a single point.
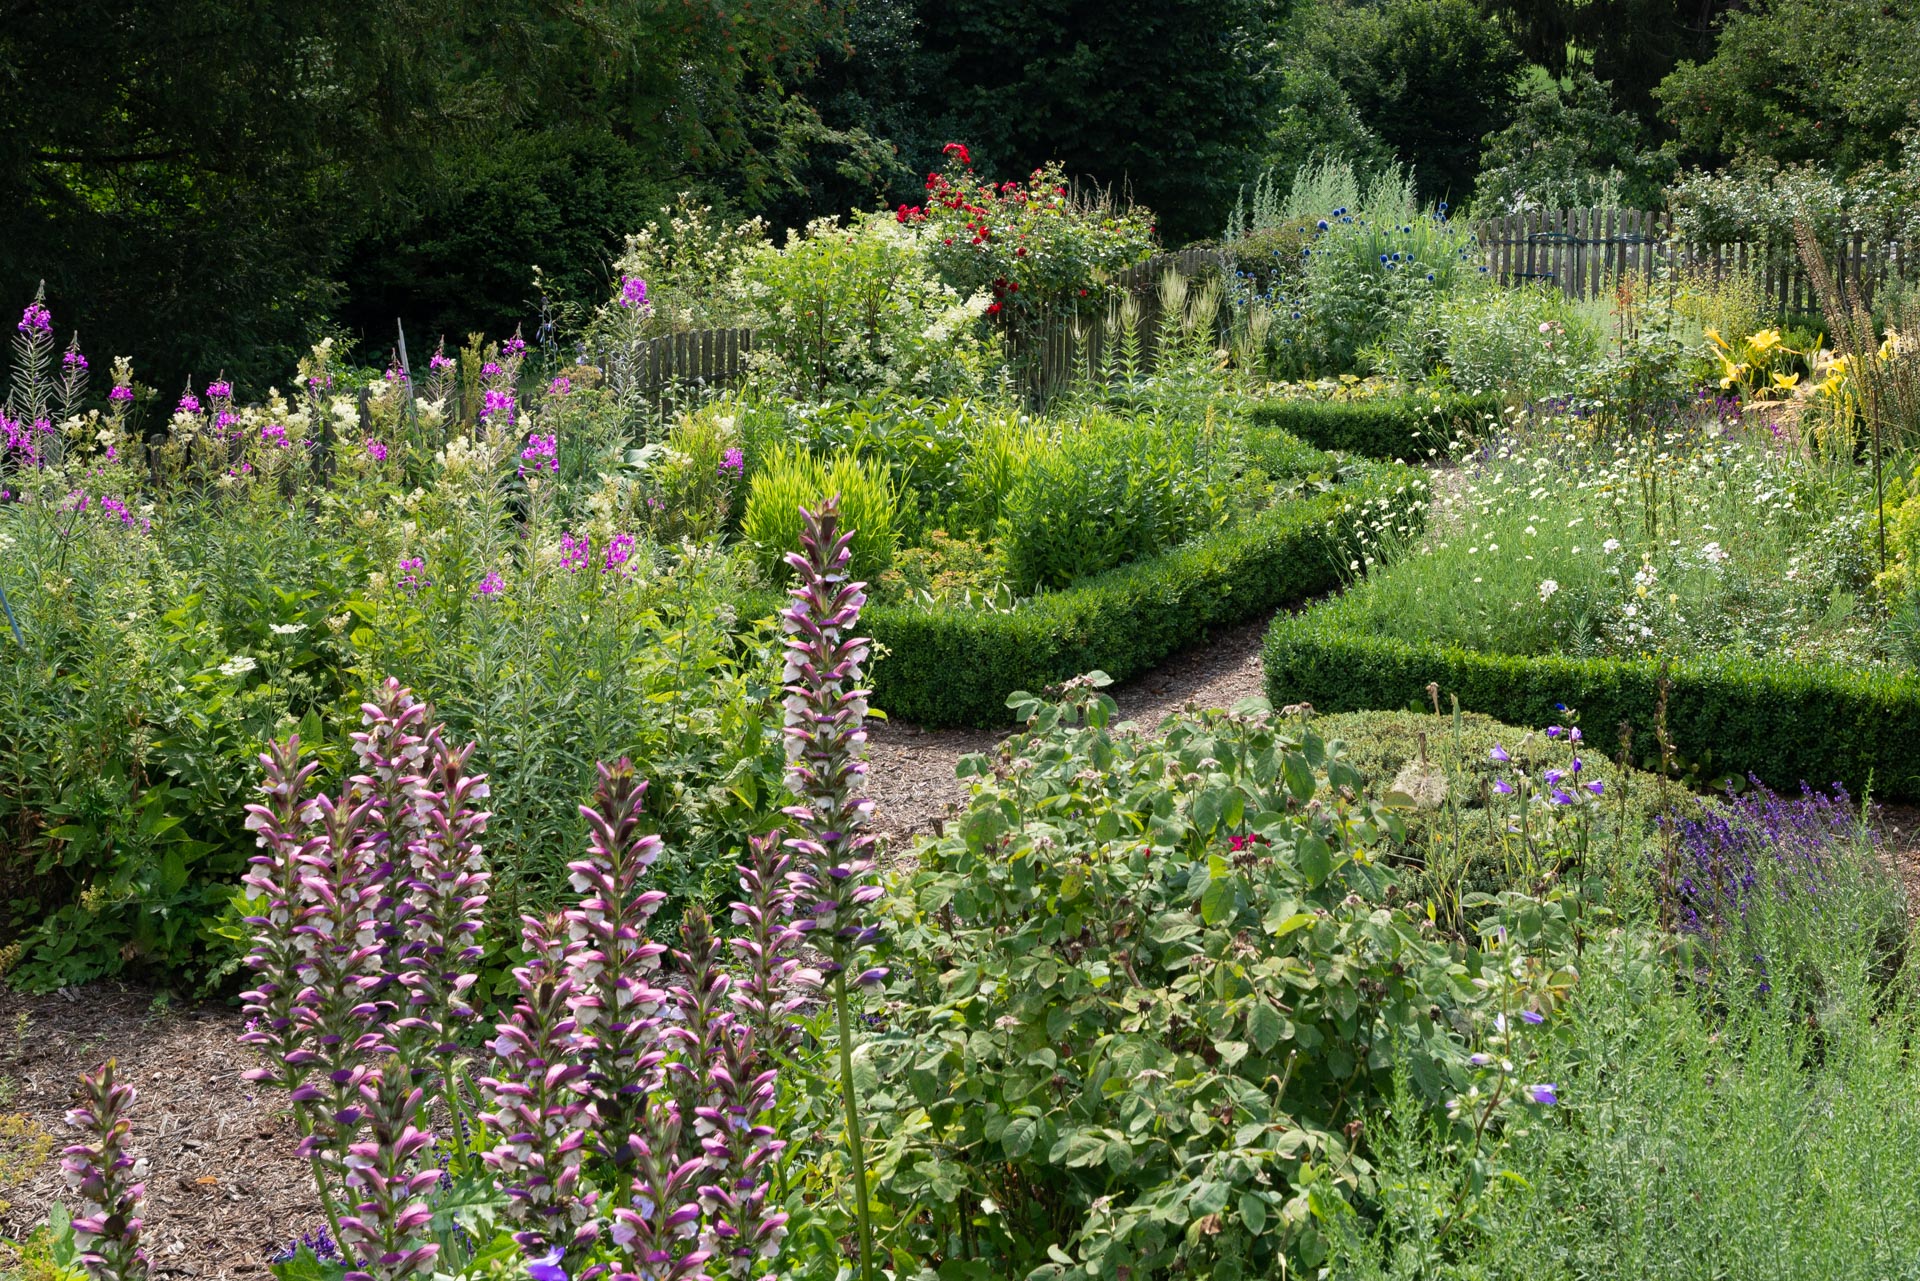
(957, 666)
(1783, 721)
(844, 310)
(1411, 427)
(1107, 492)
(1143, 987)
(790, 480)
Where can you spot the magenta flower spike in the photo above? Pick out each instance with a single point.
(388, 1226)
(770, 987)
(826, 739)
(657, 1233)
(614, 1000)
(106, 1179)
(446, 883)
(284, 825)
(539, 1098)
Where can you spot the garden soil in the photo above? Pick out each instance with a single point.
(224, 1190)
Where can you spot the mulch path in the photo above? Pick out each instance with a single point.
(224, 1190)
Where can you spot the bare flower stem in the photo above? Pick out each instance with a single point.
(856, 1147)
(320, 1183)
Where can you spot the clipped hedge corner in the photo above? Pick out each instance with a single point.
(1784, 723)
(1408, 427)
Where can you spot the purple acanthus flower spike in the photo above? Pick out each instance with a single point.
(614, 1001)
(106, 1179)
(389, 1224)
(826, 739)
(657, 1233)
(701, 1015)
(391, 752)
(35, 319)
(740, 1148)
(539, 1095)
(338, 1019)
(771, 986)
(284, 825)
(446, 878)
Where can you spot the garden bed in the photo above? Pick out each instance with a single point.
(956, 666)
(1786, 722)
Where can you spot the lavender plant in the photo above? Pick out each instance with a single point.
(107, 1178)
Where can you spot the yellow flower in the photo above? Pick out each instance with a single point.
(1764, 341)
(1785, 382)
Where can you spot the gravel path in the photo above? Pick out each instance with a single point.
(912, 777)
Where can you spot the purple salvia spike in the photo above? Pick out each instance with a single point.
(389, 1224)
(657, 1233)
(446, 878)
(539, 1097)
(284, 824)
(614, 1001)
(106, 1179)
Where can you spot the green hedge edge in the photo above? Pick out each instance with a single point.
(1785, 724)
(956, 667)
(1409, 428)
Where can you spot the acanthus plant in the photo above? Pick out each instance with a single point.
(623, 1125)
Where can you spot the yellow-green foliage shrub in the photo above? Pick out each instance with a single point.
(790, 480)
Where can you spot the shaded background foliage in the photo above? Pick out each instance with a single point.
(211, 186)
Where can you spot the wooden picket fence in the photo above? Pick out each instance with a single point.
(1586, 252)
(674, 366)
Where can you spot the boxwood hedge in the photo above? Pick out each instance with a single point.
(1783, 722)
(957, 666)
(1407, 427)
